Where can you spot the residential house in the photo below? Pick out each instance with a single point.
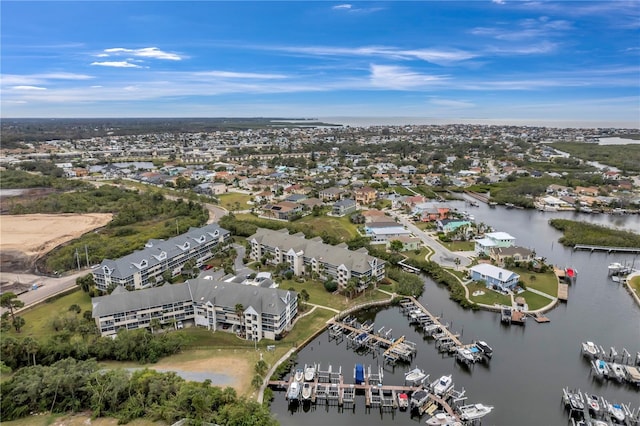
(284, 210)
(494, 277)
(451, 225)
(344, 207)
(267, 313)
(365, 195)
(331, 194)
(306, 256)
(408, 243)
(383, 233)
(517, 253)
(493, 239)
(144, 268)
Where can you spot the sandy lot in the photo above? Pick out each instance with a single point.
(34, 234)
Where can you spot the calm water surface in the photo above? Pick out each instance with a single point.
(531, 364)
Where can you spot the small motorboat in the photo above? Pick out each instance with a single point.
(306, 391)
(299, 375)
(570, 275)
(403, 401)
(601, 368)
(442, 385)
(617, 412)
(443, 419)
(618, 371)
(414, 376)
(418, 398)
(474, 411)
(294, 391)
(485, 348)
(589, 349)
(594, 403)
(465, 356)
(309, 373)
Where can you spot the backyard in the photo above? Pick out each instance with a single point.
(234, 201)
(545, 282)
(487, 296)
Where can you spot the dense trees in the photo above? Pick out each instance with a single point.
(71, 385)
(586, 233)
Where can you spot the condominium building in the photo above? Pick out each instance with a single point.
(144, 268)
(305, 256)
(252, 312)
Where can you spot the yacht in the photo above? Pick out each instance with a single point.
(589, 349)
(474, 411)
(486, 349)
(465, 356)
(442, 385)
(443, 419)
(294, 391)
(418, 398)
(309, 373)
(600, 367)
(416, 375)
(306, 391)
(403, 401)
(618, 372)
(616, 412)
(299, 375)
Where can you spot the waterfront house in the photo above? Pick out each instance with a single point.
(493, 239)
(450, 225)
(267, 313)
(494, 277)
(518, 254)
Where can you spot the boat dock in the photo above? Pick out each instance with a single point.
(608, 249)
(591, 408)
(563, 287)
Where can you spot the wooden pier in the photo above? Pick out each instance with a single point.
(411, 302)
(563, 288)
(608, 249)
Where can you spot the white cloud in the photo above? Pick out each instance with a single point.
(342, 6)
(450, 103)
(247, 75)
(351, 9)
(498, 1)
(35, 79)
(28, 88)
(116, 64)
(145, 52)
(401, 78)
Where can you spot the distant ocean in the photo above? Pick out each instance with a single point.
(401, 121)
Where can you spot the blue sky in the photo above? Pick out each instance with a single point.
(497, 59)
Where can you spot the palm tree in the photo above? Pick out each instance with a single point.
(154, 324)
(239, 312)
(31, 347)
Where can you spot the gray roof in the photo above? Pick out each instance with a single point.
(358, 261)
(126, 265)
(199, 290)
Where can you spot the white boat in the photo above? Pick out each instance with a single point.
(309, 373)
(294, 391)
(594, 403)
(589, 349)
(415, 375)
(465, 355)
(618, 372)
(443, 419)
(403, 401)
(601, 368)
(474, 411)
(615, 267)
(486, 349)
(299, 375)
(418, 398)
(306, 391)
(442, 385)
(617, 412)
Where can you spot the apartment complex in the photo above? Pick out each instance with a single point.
(252, 312)
(306, 256)
(144, 268)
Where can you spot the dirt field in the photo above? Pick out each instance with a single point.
(24, 237)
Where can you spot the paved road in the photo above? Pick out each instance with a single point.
(442, 255)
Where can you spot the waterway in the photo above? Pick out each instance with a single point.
(531, 363)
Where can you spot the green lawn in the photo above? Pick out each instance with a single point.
(319, 296)
(424, 251)
(401, 190)
(635, 285)
(535, 301)
(459, 245)
(489, 297)
(229, 200)
(425, 226)
(341, 227)
(544, 282)
(38, 319)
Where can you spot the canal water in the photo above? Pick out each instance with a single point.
(531, 364)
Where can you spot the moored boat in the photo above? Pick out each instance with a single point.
(309, 373)
(600, 367)
(474, 411)
(443, 419)
(294, 391)
(616, 412)
(442, 385)
(589, 349)
(618, 371)
(594, 403)
(358, 374)
(306, 391)
(414, 376)
(484, 347)
(299, 375)
(570, 275)
(403, 401)
(418, 398)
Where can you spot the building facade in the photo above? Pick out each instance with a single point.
(494, 277)
(252, 312)
(306, 256)
(144, 268)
